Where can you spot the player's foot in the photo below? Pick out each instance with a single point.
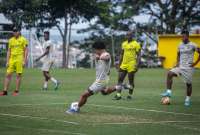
(117, 96)
(129, 97)
(72, 111)
(45, 89)
(57, 85)
(166, 94)
(187, 103)
(15, 93)
(3, 93)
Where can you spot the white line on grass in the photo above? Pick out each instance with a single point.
(139, 109)
(45, 130)
(109, 106)
(40, 118)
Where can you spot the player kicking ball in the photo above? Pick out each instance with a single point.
(184, 67)
(16, 60)
(103, 62)
(48, 60)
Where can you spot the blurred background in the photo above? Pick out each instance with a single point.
(75, 24)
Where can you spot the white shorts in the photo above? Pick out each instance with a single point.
(97, 86)
(185, 73)
(47, 65)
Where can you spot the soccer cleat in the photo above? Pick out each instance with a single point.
(72, 111)
(3, 93)
(117, 96)
(57, 85)
(45, 89)
(187, 103)
(129, 97)
(15, 93)
(166, 94)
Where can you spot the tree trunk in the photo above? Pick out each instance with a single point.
(64, 64)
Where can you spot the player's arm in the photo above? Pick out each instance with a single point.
(121, 57)
(8, 57)
(197, 61)
(45, 53)
(105, 56)
(25, 54)
(138, 58)
(177, 59)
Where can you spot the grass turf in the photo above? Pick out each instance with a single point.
(37, 112)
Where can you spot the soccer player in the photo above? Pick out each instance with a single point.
(129, 61)
(16, 59)
(184, 67)
(103, 61)
(48, 60)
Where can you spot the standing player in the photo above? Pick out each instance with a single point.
(184, 67)
(129, 61)
(48, 61)
(103, 61)
(16, 60)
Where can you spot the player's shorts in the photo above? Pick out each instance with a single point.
(47, 65)
(98, 86)
(129, 67)
(15, 64)
(185, 73)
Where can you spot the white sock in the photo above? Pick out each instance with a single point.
(45, 84)
(169, 91)
(187, 98)
(53, 80)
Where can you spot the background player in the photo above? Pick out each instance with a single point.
(103, 61)
(129, 61)
(48, 61)
(16, 59)
(184, 67)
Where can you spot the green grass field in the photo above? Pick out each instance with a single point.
(37, 112)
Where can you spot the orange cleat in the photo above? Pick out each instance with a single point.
(15, 93)
(3, 93)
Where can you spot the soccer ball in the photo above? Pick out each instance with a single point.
(165, 101)
(74, 106)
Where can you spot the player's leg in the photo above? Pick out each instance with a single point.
(172, 73)
(131, 77)
(18, 82)
(121, 76)
(188, 93)
(8, 77)
(84, 97)
(46, 79)
(108, 90)
(7, 80)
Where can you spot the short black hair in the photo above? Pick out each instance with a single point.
(16, 29)
(186, 32)
(46, 32)
(99, 45)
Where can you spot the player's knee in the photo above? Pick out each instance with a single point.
(8, 76)
(170, 74)
(189, 85)
(104, 93)
(18, 76)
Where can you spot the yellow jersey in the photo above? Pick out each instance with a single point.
(17, 45)
(130, 51)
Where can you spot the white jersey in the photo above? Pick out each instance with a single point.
(186, 54)
(50, 55)
(103, 69)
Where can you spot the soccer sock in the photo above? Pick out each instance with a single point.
(45, 84)
(53, 80)
(187, 98)
(169, 91)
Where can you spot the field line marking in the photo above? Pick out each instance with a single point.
(47, 130)
(39, 118)
(140, 109)
(108, 106)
